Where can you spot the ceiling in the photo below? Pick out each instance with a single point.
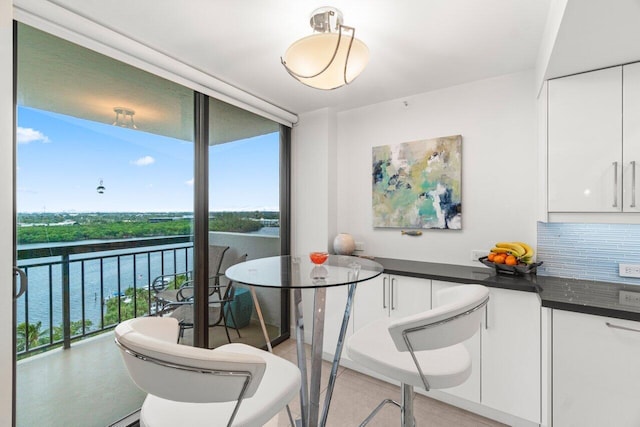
(416, 45)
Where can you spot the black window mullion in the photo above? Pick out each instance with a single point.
(201, 222)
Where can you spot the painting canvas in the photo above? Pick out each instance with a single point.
(417, 184)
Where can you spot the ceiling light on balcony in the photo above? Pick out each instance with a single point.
(330, 58)
(124, 118)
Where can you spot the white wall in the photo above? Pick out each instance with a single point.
(313, 181)
(497, 120)
(6, 210)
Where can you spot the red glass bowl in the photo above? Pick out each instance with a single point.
(318, 257)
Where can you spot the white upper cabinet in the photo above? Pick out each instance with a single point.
(585, 142)
(631, 137)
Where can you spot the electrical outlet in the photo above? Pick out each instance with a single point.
(630, 298)
(629, 270)
(359, 246)
(477, 254)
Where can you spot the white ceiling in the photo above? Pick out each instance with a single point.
(416, 45)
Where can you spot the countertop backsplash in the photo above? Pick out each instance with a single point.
(588, 251)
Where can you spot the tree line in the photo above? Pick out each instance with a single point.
(34, 228)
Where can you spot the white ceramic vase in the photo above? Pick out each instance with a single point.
(343, 244)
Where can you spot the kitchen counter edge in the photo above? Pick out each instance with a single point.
(582, 296)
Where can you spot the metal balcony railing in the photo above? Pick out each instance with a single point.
(80, 290)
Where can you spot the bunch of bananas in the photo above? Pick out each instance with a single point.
(521, 251)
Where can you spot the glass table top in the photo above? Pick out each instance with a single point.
(299, 272)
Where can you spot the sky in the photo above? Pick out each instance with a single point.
(61, 160)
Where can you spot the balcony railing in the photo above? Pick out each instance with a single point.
(70, 287)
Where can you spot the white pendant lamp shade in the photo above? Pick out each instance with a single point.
(327, 60)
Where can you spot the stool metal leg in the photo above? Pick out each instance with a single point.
(375, 411)
(406, 410)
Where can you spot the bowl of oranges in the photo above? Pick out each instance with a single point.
(514, 258)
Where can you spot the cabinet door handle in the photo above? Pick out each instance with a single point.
(393, 292)
(486, 316)
(633, 184)
(384, 292)
(625, 328)
(615, 184)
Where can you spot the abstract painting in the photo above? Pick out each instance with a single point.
(417, 184)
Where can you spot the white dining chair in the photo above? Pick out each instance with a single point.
(232, 385)
(423, 350)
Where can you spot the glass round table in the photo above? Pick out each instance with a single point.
(298, 273)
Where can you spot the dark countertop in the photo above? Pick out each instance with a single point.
(584, 296)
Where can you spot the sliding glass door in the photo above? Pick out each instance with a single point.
(111, 166)
(104, 195)
(246, 170)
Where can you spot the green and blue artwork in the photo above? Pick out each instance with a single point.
(417, 184)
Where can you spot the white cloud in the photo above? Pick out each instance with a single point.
(189, 183)
(27, 135)
(143, 161)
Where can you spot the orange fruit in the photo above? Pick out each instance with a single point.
(491, 256)
(511, 260)
(499, 259)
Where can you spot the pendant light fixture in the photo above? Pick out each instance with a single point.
(100, 188)
(331, 57)
(124, 118)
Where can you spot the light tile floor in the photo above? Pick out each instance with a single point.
(63, 386)
(356, 395)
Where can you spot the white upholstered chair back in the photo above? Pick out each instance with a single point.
(182, 373)
(455, 319)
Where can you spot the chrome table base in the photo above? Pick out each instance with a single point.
(310, 392)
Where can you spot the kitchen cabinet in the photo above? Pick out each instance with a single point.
(594, 141)
(390, 295)
(585, 142)
(510, 342)
(505, 354)
(470, 389)
(631, 137)
(596, 374)
(384, 296)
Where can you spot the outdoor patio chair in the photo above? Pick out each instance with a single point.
(159, 285)
(182, 308)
